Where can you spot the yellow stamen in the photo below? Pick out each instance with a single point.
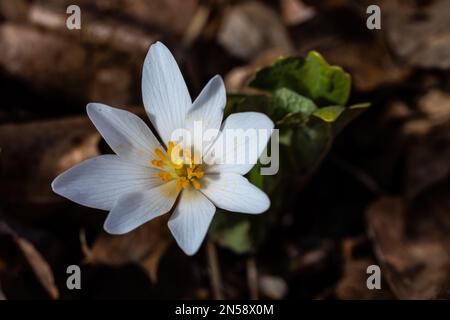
(187, 156)
(170, 148)
(165, 176)
(182, 183)
(157, 163)
(196, 184)
(183, 169)
(160, 154)
(198, 173)
(189, 172)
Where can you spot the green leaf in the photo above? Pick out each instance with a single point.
(349, 114)
(285, 137)
(290, 101)
(283, 73)
(237, 238)
(312, 77)
(291, 108)
(329, 114)
(363, 105)
(285, 105)
(232, 231)
(237, 102)
(255, 177)
(293, 119)
(326, 83)
(310, 145)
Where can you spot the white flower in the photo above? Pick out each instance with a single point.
(143, 181)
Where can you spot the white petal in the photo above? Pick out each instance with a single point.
(166, 97)
(239, 155)
(207, 112)
(135, 209)
(126, 133)
(233, 192)
(191, 219)
(100, 181)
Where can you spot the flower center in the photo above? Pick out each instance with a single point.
(178, 164)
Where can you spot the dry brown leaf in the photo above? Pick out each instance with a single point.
(14, 10)
(34, 153)
(419, 34)
(295, 12)
(107, 89)
(250, 28)
(144, 246)
(412, 243)
(436, 106)
(171, 16)
(40, 267)
(168, 15)
(97, 30)
(428, 159)
(435, 109)
(35, 260)
(370, 64)
(61, 63)
(353, 284)
(396, 110)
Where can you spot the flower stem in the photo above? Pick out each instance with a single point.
(214, 270)
(252, 278)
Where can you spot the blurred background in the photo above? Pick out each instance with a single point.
(380, 196)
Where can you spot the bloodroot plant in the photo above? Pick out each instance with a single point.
(146, 178)
(304, 98)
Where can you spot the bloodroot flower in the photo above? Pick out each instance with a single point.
(146, 179)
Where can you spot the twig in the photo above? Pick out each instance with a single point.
(214, 271)
(252, 278)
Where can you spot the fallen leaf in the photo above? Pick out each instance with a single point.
(436, 106)
(369, 63)
(35, 260)
(419, 34)
(107, 89)
(34, 153)
(168, 15)
(144, 246)
(97, 30)
(295, 12)
(412, 242)
(14, 10)
(428, 156)
(60, 64)
(251, 28)
(171, 16)
(40, 267)
(353, 284)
